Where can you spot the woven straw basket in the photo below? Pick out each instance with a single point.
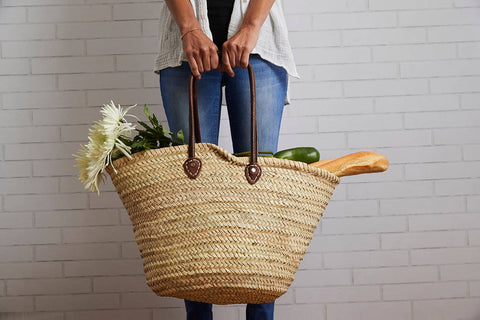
(224, 229)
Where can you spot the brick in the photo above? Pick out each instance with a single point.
(433, 239)
(331, 140)
(420, 291)
(77, 252)
(439, 171)
(16, 220)
(445, 256)
(120, 284)
(99, 81)
(365, 259)
(404, 138)
(48, 286)
(122, 46)
(69, 13)
(314, 39)
(43, 151)
(457, 187)
(408, 4)
(16, 254)
(14, 118)
(110, 29)
(363, 225)
(474, 288)
(456, 136)
(315, 278)
(123, 314)
(97, 234)
(72, 65)
(298, 22)
(149, 300)
(371, 310)
(103, 268)
(15, 169)
(357, 208)
(29, 134)
(453, 33)
(473, 204)
(127, 96)
(136, 11)
(314, 90)
(76, 218)
(309, 6)
(18, 83)
(455, 84)
(438, 17)
(14, 66)
(446, 309)
(469, 50)
(384, 36)
(439, 68)
(408, 52)
(18, 32)
(395, 275)
(44, 202)
(107, 200)
(474, 237)
(305, 311)
(28, 185)
(77, 302)
(150, 28)
(67, 116)
(444, 222)
(312, 56)
(471, 152)
(311, 261)
(32, 316)
(359, 122)
(29, 236)
(16, 304)
(13, 15)
(136, 62)
(354, 20)
(422, 205)
(24, 270)
(417, 103)
(384, 87)
(53, 168)
(366, 71)
(43, 100)
(44, 48)
(460, 272)
(130, 250)
(344, 243)
(337, 294)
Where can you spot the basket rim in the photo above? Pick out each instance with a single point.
(243, 161)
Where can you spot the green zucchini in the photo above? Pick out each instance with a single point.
(303, 154)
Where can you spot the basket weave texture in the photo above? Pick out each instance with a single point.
(217, 238)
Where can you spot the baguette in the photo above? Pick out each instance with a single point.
(354, 163)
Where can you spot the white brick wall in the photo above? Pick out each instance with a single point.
(398, 77)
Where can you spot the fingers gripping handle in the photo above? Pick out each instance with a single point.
(193, 165)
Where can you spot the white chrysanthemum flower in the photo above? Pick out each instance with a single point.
(104, 143)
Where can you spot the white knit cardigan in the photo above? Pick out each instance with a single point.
(272, 44)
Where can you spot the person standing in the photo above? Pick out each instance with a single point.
(215, 40)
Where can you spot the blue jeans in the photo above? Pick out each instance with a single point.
(271, 88)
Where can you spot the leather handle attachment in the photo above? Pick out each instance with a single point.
(193, 164)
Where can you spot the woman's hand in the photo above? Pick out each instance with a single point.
(237, 49)
(201, 52)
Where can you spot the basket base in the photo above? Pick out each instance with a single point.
(225, 295)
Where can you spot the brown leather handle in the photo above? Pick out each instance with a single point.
(193, 164)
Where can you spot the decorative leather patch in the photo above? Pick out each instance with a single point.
(253, 173)
(192, 167)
